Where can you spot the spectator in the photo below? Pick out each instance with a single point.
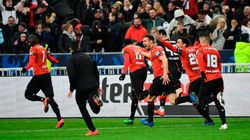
(91, 7)
(66, 38)
(21, 45)
(8, 9)
(99, 37)
(217, 37)
(128, 11)
(203, 16)
(8, 32)
(143, 11)
(232, 34)
(26, 14)
(206, 8)
(136, 31)
(158, 8)
(190, 8)
(85, 39)
(201, 27)
(154, 20)
(179, 31)
(169, 15)
(115, 27)
(22, 28)
(51, 26)
(179, 16)
(42, 11)
(101, 16)
(46, 38)
(246, 17)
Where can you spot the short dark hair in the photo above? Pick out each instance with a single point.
(150, 37)
(184, 40)
(34, 38)
(162, 32)
(128, 42)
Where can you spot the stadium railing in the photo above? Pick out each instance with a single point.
(116, 70)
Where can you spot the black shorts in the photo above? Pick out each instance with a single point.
(138, 78)
(40, 82)
(195, 86)
(211, 88)
(176, 82)
(157, 88)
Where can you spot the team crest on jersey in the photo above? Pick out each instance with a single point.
(157, 53)
(31, 53)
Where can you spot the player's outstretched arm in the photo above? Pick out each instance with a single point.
(52, 59)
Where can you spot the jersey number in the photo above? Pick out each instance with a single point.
(192, 59)
(138, 56)
(43, 52)
(212, 61)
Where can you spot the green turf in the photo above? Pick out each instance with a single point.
(114, 129)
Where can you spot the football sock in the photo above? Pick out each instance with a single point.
(134, 106)
(203, 110)
(151, 107)
(55, 108)
(222, 113)
(162, 101)
(183, 99)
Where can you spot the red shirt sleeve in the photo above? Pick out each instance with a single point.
(32, 58)
(126, 62)
(52, 59)
(169, 46)
(201, 62)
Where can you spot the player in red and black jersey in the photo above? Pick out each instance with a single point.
(135, 62)
(212, 86)
(162, 82)
(175, 68)
(41, 79)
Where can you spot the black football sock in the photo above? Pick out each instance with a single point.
(55, 108)
(151, 107)
(134, 106)
(203, 110)
(180, 100)
(162, 102)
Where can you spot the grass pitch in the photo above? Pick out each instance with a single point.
(114, 129)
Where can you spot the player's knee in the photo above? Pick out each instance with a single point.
(28, 96)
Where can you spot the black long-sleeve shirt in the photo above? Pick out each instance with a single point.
(82, 72)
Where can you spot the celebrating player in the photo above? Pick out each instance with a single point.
(135, 62)
(189, 61)
(212, 85)
(175, 68)
(162, 81)
(41, 79)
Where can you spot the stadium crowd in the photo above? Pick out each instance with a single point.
(103, 25)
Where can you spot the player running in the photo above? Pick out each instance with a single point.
(41, 79)
(212, 86)
(84, 78)
(135, 62)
